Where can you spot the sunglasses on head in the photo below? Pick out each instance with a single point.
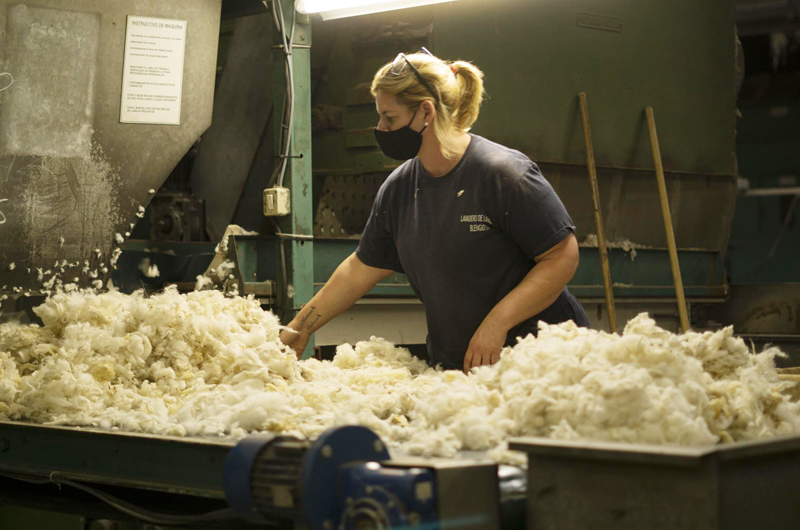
(399, 64)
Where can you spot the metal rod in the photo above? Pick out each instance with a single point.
(771, 192)
(662, 194)
(598, 217)
(294, 46)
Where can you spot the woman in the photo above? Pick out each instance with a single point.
(484, 240)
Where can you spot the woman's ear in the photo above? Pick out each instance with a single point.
(428, 111)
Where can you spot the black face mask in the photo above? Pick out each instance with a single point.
(402, 144)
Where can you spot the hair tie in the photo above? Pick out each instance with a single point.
(454, 69)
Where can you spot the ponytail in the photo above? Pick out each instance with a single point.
(471, 93)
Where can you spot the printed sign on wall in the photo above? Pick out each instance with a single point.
(152, 75)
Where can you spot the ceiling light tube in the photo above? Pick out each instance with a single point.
(331, 9)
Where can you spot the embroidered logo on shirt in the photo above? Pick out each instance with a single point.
(478, 222)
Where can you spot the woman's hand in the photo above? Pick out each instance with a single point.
(536, 292)
(485, 346)
(351, 280)
(297, 340)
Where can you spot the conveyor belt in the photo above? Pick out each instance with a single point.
(186, 465)
(164, 473)
(189, 465)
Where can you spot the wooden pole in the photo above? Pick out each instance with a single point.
(662, 194)
(598, 217)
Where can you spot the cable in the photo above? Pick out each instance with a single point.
(289, 90)
(289, 93)
(287, 116)
(287, 124)
(8, 85)
(302, 237)
(128, 508)
(24, 478)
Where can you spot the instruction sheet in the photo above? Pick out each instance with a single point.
(152, 75)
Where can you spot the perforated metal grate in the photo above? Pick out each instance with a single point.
(345, 205)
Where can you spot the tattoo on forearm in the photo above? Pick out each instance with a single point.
(316, 319)
(310, 312)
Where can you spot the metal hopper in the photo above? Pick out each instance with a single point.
(72, 175)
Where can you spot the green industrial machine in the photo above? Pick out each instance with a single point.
(678, 57)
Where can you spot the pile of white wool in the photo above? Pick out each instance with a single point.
(202, 364)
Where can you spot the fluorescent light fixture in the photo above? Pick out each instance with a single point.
(330, 9)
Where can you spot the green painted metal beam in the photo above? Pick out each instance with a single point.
(645, 275)
(299, 253)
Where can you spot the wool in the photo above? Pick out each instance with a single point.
(202, 364)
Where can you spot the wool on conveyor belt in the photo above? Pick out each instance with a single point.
(201, 364)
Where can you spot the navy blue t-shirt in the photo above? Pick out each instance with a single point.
(466, 239)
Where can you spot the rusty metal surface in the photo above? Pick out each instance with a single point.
(761, 309)
(71, 175)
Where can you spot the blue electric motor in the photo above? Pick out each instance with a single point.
(385, 497)
(334, 482)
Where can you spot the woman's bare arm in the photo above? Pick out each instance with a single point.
(351, 280)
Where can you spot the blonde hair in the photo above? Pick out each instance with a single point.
(458, 86)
